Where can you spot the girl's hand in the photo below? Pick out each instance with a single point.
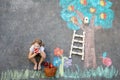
(36, 50)
(34, 54)
(39, 51)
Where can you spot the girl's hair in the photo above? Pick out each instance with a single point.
(38, 41)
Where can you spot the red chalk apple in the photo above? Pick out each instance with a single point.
(84, 2)
(103, 16)
(102, 3)
(71, 8)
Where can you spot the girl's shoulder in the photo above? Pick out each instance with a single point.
(32, 48)
(42, 48)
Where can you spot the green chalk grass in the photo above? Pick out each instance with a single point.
(77, 73)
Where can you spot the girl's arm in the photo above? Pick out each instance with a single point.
(31, 55)
(42, 52)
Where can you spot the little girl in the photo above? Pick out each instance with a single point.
(37, 48)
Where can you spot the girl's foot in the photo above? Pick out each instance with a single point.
(39, 67)
(35, 67)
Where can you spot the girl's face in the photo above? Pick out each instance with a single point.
(37, 45)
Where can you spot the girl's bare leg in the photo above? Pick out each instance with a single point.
(33, 60)
(43, 56)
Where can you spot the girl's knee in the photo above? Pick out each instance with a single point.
(43, 56)
(29, 58)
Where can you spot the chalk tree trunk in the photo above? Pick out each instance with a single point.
(90, 56)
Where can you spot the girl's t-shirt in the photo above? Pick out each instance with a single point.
(32, 49)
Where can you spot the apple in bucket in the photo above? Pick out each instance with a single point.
(51, 65)
(46, 64)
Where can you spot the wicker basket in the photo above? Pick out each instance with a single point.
(50, 72)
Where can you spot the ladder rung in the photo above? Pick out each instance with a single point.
(77, 53)
(76, 35)
(78, 41)
(77, 47)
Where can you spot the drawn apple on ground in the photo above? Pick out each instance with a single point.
(107, 61)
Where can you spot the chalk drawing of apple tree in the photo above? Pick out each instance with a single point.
(88, 15)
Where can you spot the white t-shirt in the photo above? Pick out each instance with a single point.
(32, 49)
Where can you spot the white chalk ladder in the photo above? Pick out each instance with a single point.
(75, 35)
